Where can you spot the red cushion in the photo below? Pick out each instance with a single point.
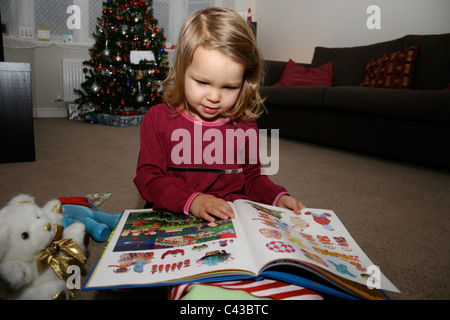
(393, 70)
(296, 75)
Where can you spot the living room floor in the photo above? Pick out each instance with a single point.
(396, 212)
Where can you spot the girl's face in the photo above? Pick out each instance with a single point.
(212, 84)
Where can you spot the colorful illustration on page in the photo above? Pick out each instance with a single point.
(299, 223)
(134, 261)
(272, 212)
(216, 257)
(322, 219)
(270, 233)
(170, 267)
(161, 230)
(279, 246)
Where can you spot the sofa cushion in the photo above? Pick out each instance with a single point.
(430, 106)
(432, 70)
(296, 75)
(293, 97)
(273, 70)
(392, 70)
(349, 62)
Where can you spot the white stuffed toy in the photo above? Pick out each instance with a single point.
(35, 252)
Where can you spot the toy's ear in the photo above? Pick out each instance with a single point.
(53, 206)
(53, 210)
(21, 199)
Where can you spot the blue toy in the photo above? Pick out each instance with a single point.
(98, 224)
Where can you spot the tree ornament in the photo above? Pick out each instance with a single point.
(123, 29)
(106, 52)
(139, 98)
(95, 88)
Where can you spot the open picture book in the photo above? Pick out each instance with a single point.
(313, 250)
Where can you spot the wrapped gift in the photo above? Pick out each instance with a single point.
(121, 120)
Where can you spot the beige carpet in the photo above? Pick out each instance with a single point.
(398, 213)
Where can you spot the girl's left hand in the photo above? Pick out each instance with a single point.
(291, 203)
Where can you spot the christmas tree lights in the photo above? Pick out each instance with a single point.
(128, 61)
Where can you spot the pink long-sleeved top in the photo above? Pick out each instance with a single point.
(182, 157)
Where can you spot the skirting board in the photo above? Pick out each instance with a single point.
(49, 113)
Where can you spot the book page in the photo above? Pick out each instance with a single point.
(316, 236)
(150, 247)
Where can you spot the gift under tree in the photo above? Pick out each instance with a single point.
(127, 61)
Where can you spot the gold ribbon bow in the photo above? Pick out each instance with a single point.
(50, 255)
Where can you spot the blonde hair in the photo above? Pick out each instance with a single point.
(226, 31)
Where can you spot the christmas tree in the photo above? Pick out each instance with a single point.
(127, 61)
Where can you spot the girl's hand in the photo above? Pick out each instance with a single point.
(291, 203)
(207, 207)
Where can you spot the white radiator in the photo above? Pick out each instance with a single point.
(72, 76)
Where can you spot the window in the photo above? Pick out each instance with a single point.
(95, 10)
(172, 13)
(53, 14)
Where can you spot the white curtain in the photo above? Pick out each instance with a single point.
(53, 14)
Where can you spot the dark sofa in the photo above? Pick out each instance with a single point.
(411, 125)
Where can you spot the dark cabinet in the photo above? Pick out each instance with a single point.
(16, 113)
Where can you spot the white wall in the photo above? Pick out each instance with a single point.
(46, 76)
(293, 28)
(244, 5)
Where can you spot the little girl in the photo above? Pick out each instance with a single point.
(212, 91)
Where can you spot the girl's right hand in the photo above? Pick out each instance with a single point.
(207, 207)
